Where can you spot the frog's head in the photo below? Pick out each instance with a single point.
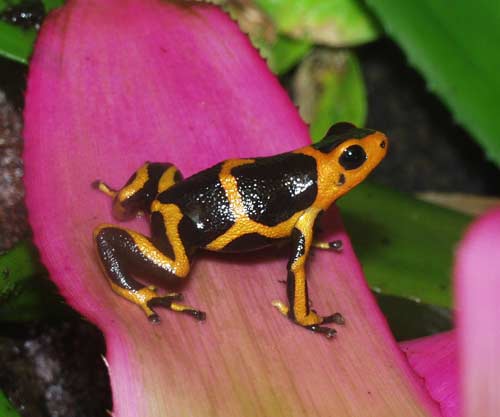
(352, 154)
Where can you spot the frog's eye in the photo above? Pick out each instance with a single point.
(353, 157)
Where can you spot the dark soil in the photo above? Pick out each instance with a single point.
(429, 151)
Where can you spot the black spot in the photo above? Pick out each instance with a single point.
(299, 246)
(157, 169)
(159, 235)
(144, 196)
(248, 242)
(274, 189)
(331, 141)
(178, 176)
(341, 180)
(131, 179)
(340, 128)
(189, 236)
(204, 204)
(352, 157)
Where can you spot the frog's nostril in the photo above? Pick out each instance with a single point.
(382, 144)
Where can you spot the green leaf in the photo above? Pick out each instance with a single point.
(17, 266)
(52, 4)
(405, 245)
(6, 409)
(337, 23)
(16, 43)
(283, 53)
(455, 46)
(25, 292)
(411, 320)
(328, 87)
(280, 51)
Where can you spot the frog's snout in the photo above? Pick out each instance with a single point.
(379, 143)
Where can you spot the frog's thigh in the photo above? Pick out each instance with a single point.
(124, 253)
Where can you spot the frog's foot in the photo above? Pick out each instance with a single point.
(144, 296)
(312, 321)
(104, 188)
(336, 245)
(147, 298)
(168, 301)
(335, 318)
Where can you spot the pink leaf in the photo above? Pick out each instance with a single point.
(461, 369)
(477, 274)
(114, 83)
(434, 358)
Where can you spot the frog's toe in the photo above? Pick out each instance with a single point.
(327, 331)
(164, 300)
(168, 301)
(281, 307)
(336, 318)
(197, 314)
(154, 318)
(174, 296)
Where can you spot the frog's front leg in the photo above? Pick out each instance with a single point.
(124, 253)
(298, 300)
(140, 190)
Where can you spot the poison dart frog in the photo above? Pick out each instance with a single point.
(235, 206)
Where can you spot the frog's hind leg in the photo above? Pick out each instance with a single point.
(141, 188)
(123, 253)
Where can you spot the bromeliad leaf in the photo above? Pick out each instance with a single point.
(328, 87)
(456, 49)
(339, 23)
(187, 87)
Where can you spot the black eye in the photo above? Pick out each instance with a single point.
(352, 157)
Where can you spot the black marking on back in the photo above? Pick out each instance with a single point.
(274, 189)
(203, 201)
(249, 242)
(159, 235)
(131, 179)
(143, 197)
(331, 141)
(340, 128)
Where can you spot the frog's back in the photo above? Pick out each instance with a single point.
(266, 190)
(273, 189)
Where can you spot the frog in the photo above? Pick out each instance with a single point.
(237, 205)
